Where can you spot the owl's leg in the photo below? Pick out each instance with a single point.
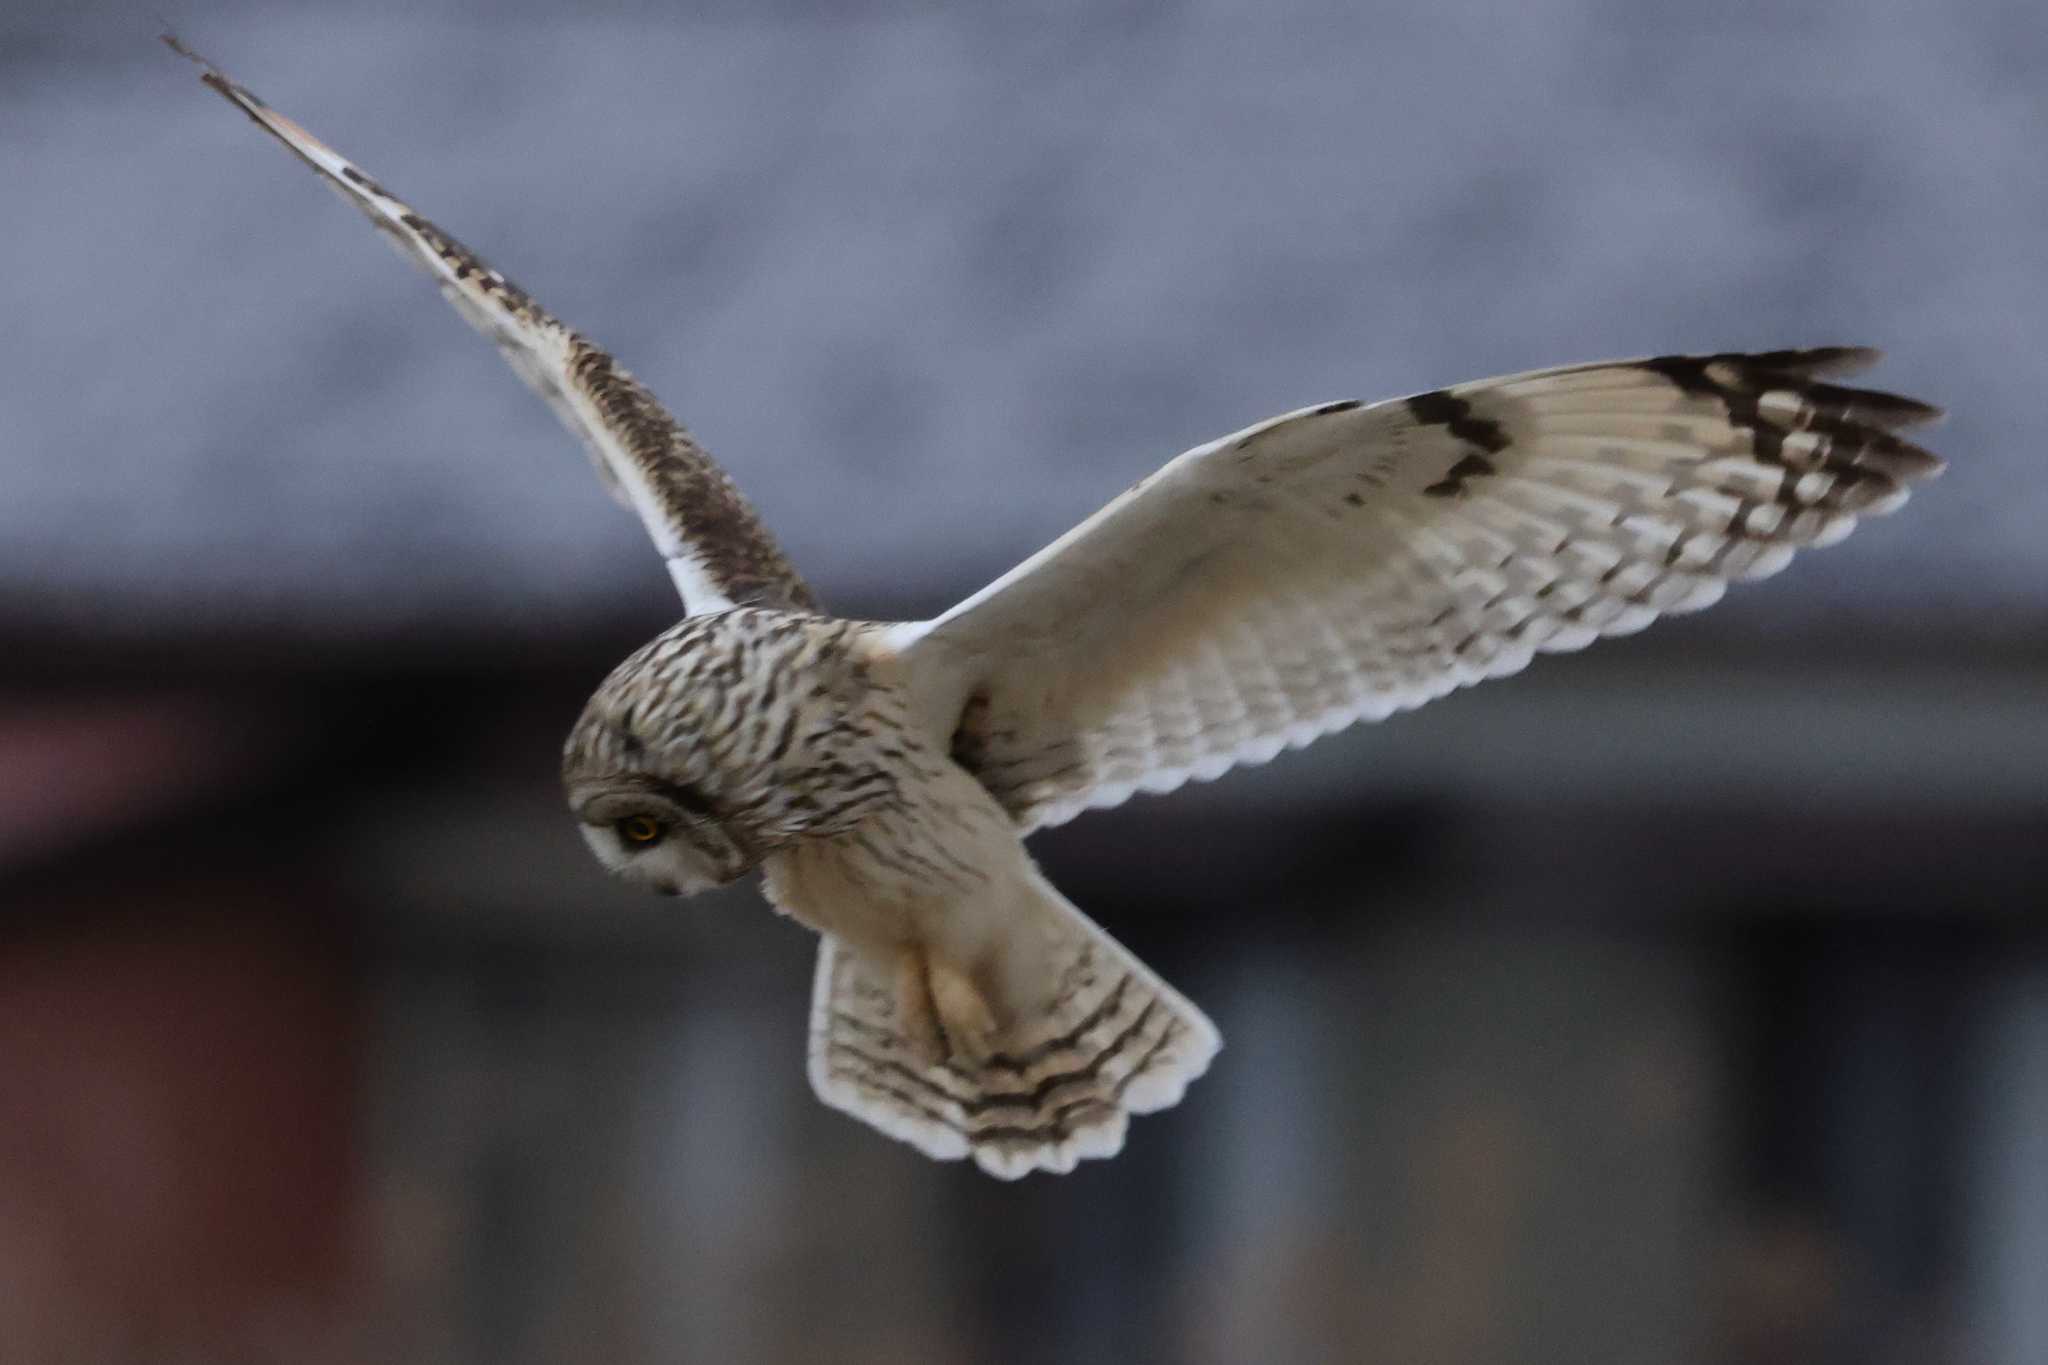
(964, 1012)
(917, 1016)
(940, 1011)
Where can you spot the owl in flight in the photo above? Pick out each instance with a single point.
(1334, 564)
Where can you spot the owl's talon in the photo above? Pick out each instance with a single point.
(917, 1018)
(969, 1023)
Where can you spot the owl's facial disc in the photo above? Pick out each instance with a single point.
(666, 841)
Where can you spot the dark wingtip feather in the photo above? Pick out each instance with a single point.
(1813, 361)
(1906, 462)
(1872, 407)
(1773, 395)
(1869, 407)
(176, 44)
(240, 96)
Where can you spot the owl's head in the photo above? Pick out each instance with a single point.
(717, 743)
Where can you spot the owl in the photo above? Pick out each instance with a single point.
(1335, 564)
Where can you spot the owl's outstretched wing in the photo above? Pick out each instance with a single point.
(1347, 561)
(718, 553)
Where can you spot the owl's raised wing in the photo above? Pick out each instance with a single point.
(1346, 561)
(718, 553)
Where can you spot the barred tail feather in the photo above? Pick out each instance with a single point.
(1111, 1040)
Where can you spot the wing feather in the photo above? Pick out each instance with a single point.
(717, 551)
(1345, 562)
(1108, 1039)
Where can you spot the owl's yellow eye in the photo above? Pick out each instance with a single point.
(639, 829)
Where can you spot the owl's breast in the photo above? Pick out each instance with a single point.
(917, 871)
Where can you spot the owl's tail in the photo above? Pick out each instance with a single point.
(1095, 1038)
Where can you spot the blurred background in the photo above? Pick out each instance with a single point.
(1685, 1000)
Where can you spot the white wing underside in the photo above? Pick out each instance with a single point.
(1345, 562)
